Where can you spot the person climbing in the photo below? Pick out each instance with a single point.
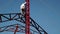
(23, 8)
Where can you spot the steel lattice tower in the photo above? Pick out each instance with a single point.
(27, 17)
(27, 20)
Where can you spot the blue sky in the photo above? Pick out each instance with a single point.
(45, 12)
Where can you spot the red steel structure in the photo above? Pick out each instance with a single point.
(27, 17)
(27, 20)
(18, 27)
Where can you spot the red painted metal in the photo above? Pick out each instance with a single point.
(16, 29)
(27, 17)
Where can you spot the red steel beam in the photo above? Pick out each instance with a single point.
(16, 29)
(27, 17)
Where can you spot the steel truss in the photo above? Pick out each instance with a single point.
(19, 17)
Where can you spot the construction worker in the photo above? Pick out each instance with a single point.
(23, 7)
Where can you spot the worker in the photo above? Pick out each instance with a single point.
(23, 8)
